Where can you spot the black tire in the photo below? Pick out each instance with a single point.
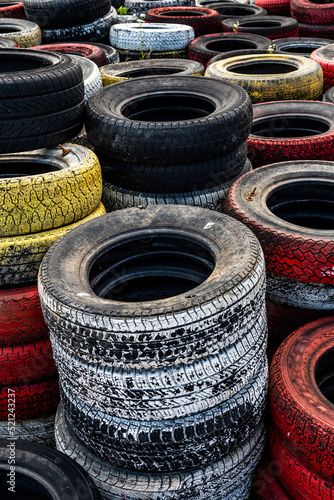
(236, 53)
(300, 46)
(6, 43)
(111, 53)
(189, 136)
(41, 472)
(64, 13)
(232, 9)
(272, 27)
(41, 100)
(329, 95)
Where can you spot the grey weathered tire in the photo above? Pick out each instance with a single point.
(39, 430)
(141, 6)
(220, 479)
(91, 76)
(25, 33)
(161, 37)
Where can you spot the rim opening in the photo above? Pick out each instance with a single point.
(149, 27)
(228, 45)
(168, 108)
(308, 204)
(135, 73)
(235, 11)
(279, 127)
(181, 13)
(261, 24)
(8, 4)
(25, 168)
(324, 375)
(26, 488)
(16, 62)
(306, 49)
(322, 2)
(152, 268)
(262, 68)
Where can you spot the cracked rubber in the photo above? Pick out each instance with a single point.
(25, 33)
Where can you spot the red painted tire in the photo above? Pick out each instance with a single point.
(288, 130)
(265, 485)
(21, 318)
(316, 30)
(202, 20)
(324, 56)
(272, 27)
(280, 204)
(309, 12)
(92, 52)
(29, 401)
(12, 9)
(302, 395)
(297, 480)
(26, 363)
(275, 7)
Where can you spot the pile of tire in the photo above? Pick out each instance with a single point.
(158, 328)
(43, 195)
(288, 205)
(71, 20)
(301, 400)
(135, 41)
(187, 148)
(315, 19)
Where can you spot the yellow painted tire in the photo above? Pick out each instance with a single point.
(114, 73)
(60, 190)
(303, 81)
(25, 33)
(21, 256)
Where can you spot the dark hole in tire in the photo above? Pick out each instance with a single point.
(26, 488)
(321, 2)
(10, 63)
(306, 203)
(228, 45)
(324, 375)
(289, 127)
(181, 13)
(10, 29)
(26, 168)
(260, 24)
(8, 4)
(168, 108)
(136, 73)
(262, 68)
(153, 268)
(306, 49)
(235, 12)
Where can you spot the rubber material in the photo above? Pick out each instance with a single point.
(272, 27)
(91, 76)
(275, 7)
(25, 33)
(40, 430)
(309, 12)
(12, 9)
(324, 56)
(302, 78)
(141, 6)
(111, 53)
(317, 30)
(232, 9)
(135, 55)
(91, 52)
(302, 46)
(265, 484)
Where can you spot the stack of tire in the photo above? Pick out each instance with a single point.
(301, 400)
(135, 41)
(43, 195)
(158, 328)
(315, 19)
(187, 148)
(71, 20)
(288, 205)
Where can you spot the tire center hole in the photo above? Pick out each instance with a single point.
(9, 64)
(305, 203)
(262, 68)
(324, 375)
(25, 168)
(153, 268)
(228, 45)
(289, 127)
(235, 12)
(260, 24)
(136, 73)
(182, 13)
(25, 487)
(305, 49)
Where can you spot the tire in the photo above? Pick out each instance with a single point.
(243, 52)
(220, 479)
(123, 71)
(206, 47)
(303, 415)
(299, 482)
(44, 100)
(21, 316)
(302, 80)
(91, 76)
(275, 7)
(111, 53)
(12, 9)
(202, 20)
(272, 27)
(316, 30)
(204, 3)
(232, 9)
(302, 46)
(213, 198)
(55, 14)
(294, 249)
(25, 33)
(324, 57)
(89, 51)
(265, 485)
(21, 256)
(45, 472)
(135, 55)
(6, 43)
(29, 401)
(141, 6)
(40, 430)
(185, 141)
(301, 130)
(42, 190)
(94, 31)
(150, 37)
(310, 13)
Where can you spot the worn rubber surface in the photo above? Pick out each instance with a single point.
(299, 408)
(43, 190)
(160, 37)
(272, 27)
(12, 9)
(141, 6)
(295, 251)
(302, 78)
(91, 76)
(44, 472)
(205, 47)
(302, 46)
(91, 52)
(29, 400)
(324, 56)
(20, 256)
(21, 316)
(309, 12)
(39, 430)
(135, 55)
(222, 123)
(220, 479)
(286, 131)
(201, 19)
(275, 7)
(317, 30)
(25, 33)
